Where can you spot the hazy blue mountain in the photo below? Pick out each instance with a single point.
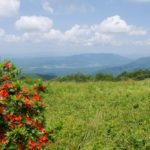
(141, 63)
(84, 63)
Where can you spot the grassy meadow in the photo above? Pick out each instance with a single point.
(99, 115)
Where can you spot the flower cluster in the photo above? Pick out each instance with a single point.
(21, 112)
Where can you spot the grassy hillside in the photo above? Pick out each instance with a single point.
(100, 116)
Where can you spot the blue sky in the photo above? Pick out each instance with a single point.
(33, 28)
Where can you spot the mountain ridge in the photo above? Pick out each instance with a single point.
(61, 65)
(140, 63)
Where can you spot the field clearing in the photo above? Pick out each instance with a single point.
(100, 115)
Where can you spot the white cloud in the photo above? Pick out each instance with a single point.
(86, 35)
(83, 35)
(113, 30)
(9, 7)
(47, 7)
(137, 31)
(39, 23)
(116, 24)
(54, 34)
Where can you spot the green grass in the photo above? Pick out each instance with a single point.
(100, 115)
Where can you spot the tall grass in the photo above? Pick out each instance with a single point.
(100, 115)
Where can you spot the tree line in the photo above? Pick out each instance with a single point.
(78, 77)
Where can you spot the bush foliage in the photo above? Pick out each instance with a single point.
(21, 112)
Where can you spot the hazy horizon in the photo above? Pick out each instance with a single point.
(130, 56)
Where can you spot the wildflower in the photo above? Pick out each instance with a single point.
(26, 102)
(5, 78)
(20, 124)
(36, 98)
(32, 144)
(25, 90)
(3, 141)
(7, 65)
(28, 120)
(2, 138)
(18, 96)
(43, 139)
(7, 85)
(19, 118)
(3, 93)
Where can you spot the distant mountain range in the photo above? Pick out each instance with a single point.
(84, 63)
(141, 63)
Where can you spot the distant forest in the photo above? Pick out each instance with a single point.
(79, 77)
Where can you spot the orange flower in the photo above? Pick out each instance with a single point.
(32, 144)
(19, 118)
(28, 120)
(43, 130)
(2, 138)
(3, 93)
(18, 96)
(25, 90)
(11, 126)
(36, 98)
(5, 78)
(43, 139)
(3, 141)
(7, 65)
(20, 124)
(38, 146)
(7, 85)
(26, 102)
(12, 118)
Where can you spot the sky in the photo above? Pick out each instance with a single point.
(39, 28)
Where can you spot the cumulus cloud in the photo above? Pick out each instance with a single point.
(47, 7)
(54, 34)
(9, 7)
(85, 35)
(39, 23)
(116, 24)
(105, 32)
(113, 30)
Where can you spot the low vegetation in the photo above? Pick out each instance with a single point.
(96, 115)
(135, 75)
(100, 115)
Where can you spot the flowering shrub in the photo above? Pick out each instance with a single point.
(21, 112)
